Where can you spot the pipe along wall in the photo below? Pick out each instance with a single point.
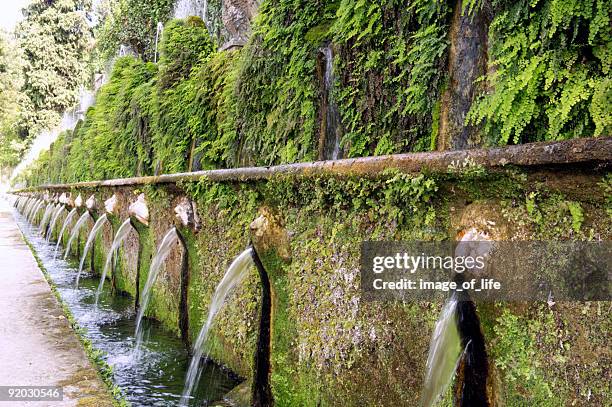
(298, 328)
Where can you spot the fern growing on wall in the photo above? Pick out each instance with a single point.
(549, 73)
(392, 67)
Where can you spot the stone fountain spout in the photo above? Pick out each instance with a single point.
(90, 203)
(186, 213)
(268, 233)
(110, 205)
(140, 210)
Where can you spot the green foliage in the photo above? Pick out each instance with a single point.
(11, 102)
(182, 44)
(606, 186)
(54, 38)
(548, 215)
(392, 69)
(515, 355)
(132, 23)
(263, 104)
(550, 80)
(275, 100)
(115, 138)
(577, 215)
(185, 50)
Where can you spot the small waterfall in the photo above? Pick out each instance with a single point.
(162, 253)
(332, 128)
(236, 272)
(160, 29)
(28, 207)
(46, 216)
(120, 236)
(87, 98)
(64, 226)
(126, 50)
(90, 239)
(445, 351)
(75, 232)
(33, 209)
(56, 215)
(186, 8)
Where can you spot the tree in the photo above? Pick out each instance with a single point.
(55, 38)
(131, 23)
(11, 103)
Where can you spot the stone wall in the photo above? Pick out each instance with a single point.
(329, 346)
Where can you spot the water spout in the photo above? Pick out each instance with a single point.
(90, 203)
(90, 239)
(444, 354)
(110, 205)
(78, 202)
(34, 210)
(46, 216)
(139, 210)
(236, 272)
(449, 342)
(28, 207)
(120, 236)
(160, 29)
(75, 232)
(332, 133)
(168, 242)
(56, 215)
(66, 222)
(186, 8)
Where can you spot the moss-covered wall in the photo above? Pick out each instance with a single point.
(329, 346)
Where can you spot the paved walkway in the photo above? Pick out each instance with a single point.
(37, 345)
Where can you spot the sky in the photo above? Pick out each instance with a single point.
(10, 13)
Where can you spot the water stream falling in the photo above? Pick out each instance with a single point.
(90, 239)
(29, 207)
(64, 226)
(234, 275)
(46, 216)
(75, 232)
(445, 352)
(56, 215)
(156, 378)
(158, 31)
(186, 8)
(34, 211)
(162, 253)
(120, 236)
(331, 149)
